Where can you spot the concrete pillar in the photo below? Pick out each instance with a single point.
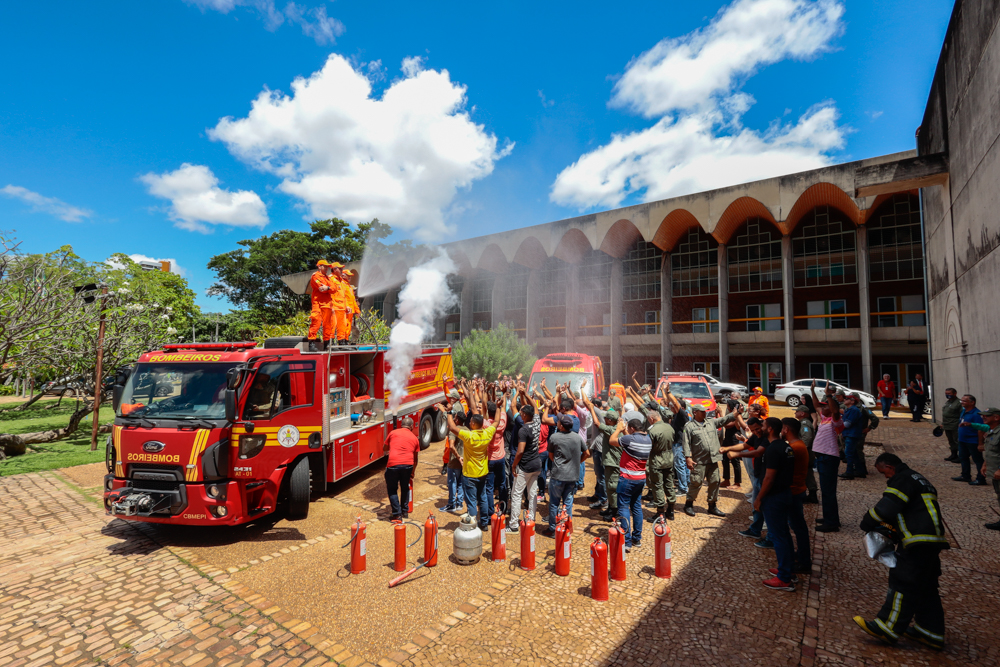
(723, 313)
(532, 322)
(617, 308)
(572, 307)
(465, 319)
(367, 302)
(389, 305)
(666, 314)
(498, 313)
(787, 278)
(864, 307)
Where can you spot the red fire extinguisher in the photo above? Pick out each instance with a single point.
(563, 549)
(498, 535)
(527, 544)
(616, 549)
(661, 539)
(409, 507)
(430, 541)
(598, 570)
(359, 550)
(399, 544)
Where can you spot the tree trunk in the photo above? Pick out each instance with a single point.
(59, 433)
(11, 445)
(27, 404)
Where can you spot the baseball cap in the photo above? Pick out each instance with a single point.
(758, 389)
(611, 414)
(652, 405)
(454, 394)
(322, 262)
(348, 272)
(566, 421)
(990, 412)
(634, 414)
(336, 265)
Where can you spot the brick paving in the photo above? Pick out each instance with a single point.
(78, 589)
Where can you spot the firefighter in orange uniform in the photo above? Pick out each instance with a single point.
(322, 314)
(341, 302)
(352, 302)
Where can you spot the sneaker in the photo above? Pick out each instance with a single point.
(395, 519)
(779, 585)
(749, 533)
(961, 479)
(764, 544)
(540, 498)
(978, 482)
(636, 545)
(774, 573)
(918, 636)
(993, 526)
(846, 476)
(874, 630)
(827, 529)
(513, 529)
(597, 503)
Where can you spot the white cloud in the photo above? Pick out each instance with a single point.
(545, 101)
(401, 157)
(196, 199)
(50, 205)
(313, 20)
(691, 84)
(174, 266)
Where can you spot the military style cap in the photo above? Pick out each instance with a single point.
(611, 414)
(990, 412)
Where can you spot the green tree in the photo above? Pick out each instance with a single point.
(487, 353)
(250, 277)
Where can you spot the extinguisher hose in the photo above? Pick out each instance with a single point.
(356, 533)
(420, 533)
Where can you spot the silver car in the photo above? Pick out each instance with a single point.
(791, 392)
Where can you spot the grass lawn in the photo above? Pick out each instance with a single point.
(72, 451)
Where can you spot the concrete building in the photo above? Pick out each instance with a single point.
(798, 276)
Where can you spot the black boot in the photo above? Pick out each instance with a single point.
(342, 341)
(811, 498)
(689, 508)
(669, 512)
(315, 345)
(715, 511)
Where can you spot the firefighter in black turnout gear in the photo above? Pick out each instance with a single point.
(909, 514)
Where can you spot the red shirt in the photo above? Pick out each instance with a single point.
(886, 389)
(403, 446)
(543, 439)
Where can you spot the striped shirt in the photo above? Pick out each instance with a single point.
(635, 452)
(825, 441)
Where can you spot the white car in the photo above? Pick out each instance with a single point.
(791, 392)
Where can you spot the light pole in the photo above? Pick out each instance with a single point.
(98, 384)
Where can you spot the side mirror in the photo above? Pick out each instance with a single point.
(116, 396)
(230, 405)
(234, 377)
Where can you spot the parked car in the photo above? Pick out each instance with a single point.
(692, 387)
(791, 392)
(719, 388)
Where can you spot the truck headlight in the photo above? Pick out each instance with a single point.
(220, 511)
(213, 490)
(251, 445)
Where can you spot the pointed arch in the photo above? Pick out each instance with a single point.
(531, 253)
(620, 238)
(573, 246)
(493, 259)
(820, 194)
(737, 213)
(869, 213)
(673, 228)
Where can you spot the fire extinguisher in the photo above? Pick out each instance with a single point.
(430, 545)
(563, 549)
(616, 549)
(399, 544)
(661, 540)
(359, 559)
(527, 543)
(409, 508)
(430, 541)
(598, 570)
(498, 535)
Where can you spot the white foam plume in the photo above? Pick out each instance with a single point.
(423, 298)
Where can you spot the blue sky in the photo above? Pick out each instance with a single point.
(446, 121)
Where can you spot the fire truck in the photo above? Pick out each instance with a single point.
(225, 433)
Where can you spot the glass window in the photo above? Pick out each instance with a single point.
(455, 285)
(280, 386)
(772, 373)
(176, 390)
(702, 314)
(690, 389)
(553, 327)
(641, 272)
(482, 295)
(451, 331)
(894, 241)
(823, 249)
(886, 304)
(695, 265)
(552, 287)
(652, 322)
(766, 310)
(832, 307)
(595, 278)
(652, 373)
(516, 288)
(755, 258)
(837, 372)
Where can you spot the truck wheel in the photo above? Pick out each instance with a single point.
(299, 489)
(440, 426)
(426, 430)
(793, 401)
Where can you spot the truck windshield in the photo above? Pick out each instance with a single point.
(552, 379)
(690, 390)
(176, 391)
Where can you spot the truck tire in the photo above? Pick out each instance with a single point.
(299, 489)
(793, 401)
(426, 430)
(440, 426)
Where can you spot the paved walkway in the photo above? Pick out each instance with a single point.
(78, 589)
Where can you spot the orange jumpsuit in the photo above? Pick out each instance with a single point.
(762, 402)
(344, 332)
(340, 304)
(322, 313)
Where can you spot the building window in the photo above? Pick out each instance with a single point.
(833, 307)
(824, 250)
(695, 265)
(700, 315)
(451, 331)
(641, 272)
(553, 327)
(516, 288)
(767, 310)
(378, 305)
(771, 374)
(900, 311)
(894, 243)
(652, 322)
(552, 287)
(595, 278)
(652, 373)
(482, 295)
(455, 286)
(755, 258)
(713, 368)
(838, 372)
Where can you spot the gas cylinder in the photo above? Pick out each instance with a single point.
(430, 541)
(468, 540)
(598, 570)
(359, 550)
(661, 540)
(527, 544)
(616, 551)
(399, 547)
(563, 549)
(498, 536)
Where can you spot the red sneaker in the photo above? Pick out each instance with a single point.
(774, 572)
(779, 585)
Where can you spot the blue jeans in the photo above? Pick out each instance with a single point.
(456, 492)
(544, 474)
(496, 483)
(680, 467)
(583, 471)
(560, 493)
(630, 505)
(599, 490)
(797, 522)
(851, 452)
(827, 466)
(757, 524)
(777, 508)
(475, 498)
(965, 450)
(886, 404)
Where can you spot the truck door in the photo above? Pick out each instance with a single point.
(282, 402)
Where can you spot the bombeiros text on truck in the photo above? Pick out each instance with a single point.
(224, 433)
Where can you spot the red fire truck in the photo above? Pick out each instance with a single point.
(221, 433)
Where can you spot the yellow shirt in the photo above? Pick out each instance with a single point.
(476, 446)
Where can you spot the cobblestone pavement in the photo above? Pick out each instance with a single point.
(77, 588)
